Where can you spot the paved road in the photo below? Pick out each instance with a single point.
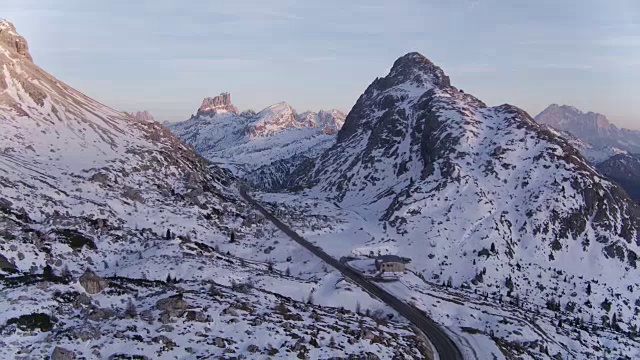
(446, 348)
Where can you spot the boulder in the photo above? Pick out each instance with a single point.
(197, 316)
(134, 195)
(100, 177)
(92, 283)
(173, 304)
(60, 353)
(219, 342)
(101, 314)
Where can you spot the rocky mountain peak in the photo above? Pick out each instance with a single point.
(217, 104)
(12, 41)
(273, 119)
(144, 116)
(418, 70)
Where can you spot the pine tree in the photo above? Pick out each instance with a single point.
(358, 309)
(130, 310)
(232, 239)
(66, 273)
(168, 236)
(589, 288)
(493, 248)
(47, 272)
(509, 283)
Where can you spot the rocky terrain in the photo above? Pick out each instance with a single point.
(262, 148)
(119, 241)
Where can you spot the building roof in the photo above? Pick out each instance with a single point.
(389, 258)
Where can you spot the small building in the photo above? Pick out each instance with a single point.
(390, 263)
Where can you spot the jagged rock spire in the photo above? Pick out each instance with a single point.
(214, 105)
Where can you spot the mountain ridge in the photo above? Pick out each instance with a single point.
(252, 142)
(592, 127)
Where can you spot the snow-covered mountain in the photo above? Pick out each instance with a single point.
(329, 121)
(591, 127)
(261, 148)
(482, 196)
(119, 241)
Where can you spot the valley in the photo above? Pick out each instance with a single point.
(229, 235)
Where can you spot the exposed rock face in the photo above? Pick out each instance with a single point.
(12, 40)
(60, 353)
(217, 104)
(92, 283)
(591, 127)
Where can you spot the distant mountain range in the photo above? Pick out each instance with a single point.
(591, 127)
(262, 147)
(612, 150)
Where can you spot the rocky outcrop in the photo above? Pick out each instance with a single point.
(6, 265)
(92, 283)
(217, 104)
(12, 40)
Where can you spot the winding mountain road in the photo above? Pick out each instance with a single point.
(445, 347)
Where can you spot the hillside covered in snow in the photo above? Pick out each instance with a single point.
(119, 241)
(480, 198)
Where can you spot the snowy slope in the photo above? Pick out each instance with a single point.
(593, 154)
(625, 170)
(261, 148)
(83, 186)
(465, 189)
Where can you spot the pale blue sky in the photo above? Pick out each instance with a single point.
(166, 55)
